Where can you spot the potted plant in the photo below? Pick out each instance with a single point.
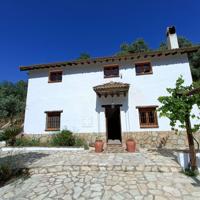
(131, 145)
(98, 145)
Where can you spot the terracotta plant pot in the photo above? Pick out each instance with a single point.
(98, 146)
(131, 145)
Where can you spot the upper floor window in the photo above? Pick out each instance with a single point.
(53, 120)
(143, 68)
(148, 117)
(55, 76)
(111, 71)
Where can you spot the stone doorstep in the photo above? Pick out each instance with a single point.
(124, 168)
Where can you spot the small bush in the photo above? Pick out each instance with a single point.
(1, 136)
(79, 142)
(191, 173)
(5, 172)
(10, 133)
(64, 138)
(27, 142)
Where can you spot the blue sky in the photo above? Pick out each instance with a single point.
(42, 31)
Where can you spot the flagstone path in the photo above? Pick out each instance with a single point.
(84, 185)
(47, 162)
(81, 175)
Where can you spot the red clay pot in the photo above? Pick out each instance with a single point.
(131, 145)
(98, 146)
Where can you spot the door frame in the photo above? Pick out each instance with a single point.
(109, 106)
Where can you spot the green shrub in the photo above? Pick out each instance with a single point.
(8, 172)
(64, 138)
(10, 133)
(5, 172)
(1, 136)
(80, 142)
(27, 142)
(191, 173)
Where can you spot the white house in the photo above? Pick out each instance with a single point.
(110, 96)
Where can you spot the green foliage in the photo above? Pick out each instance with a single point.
(137, 46)
(12, 99)
(163, 46)
(10, 170)
(9, 134)
(190, 172)
(27, 142)
(179, 105)
(182, 41)
(80, 142)
(194, 59)
(64, 138)
(1, 136)
(5, 172)
(84, 56)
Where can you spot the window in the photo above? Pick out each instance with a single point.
(53, 120)
(148, 117)
(143, 68)
(55, 76)
(111, 71)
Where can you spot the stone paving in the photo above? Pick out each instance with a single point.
(83, 185)
(47, 162)
(116, 176)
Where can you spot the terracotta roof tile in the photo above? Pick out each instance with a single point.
(111, 88)
(111, 85)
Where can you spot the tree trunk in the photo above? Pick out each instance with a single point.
(192, 151)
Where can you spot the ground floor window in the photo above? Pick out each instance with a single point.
(148, 117)
(53, 120)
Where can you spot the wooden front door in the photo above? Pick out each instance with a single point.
(113, 123)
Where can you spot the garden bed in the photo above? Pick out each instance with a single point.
(62, 141)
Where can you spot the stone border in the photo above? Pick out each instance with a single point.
(144, 139)
(5, 149)
(2, 144)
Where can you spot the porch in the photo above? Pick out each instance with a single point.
(112, 98)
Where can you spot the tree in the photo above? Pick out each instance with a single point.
(182, 41)
(194, 59)
(12, 99)
(163, 46)
(84, 56)
(178, 109)
(137, 46)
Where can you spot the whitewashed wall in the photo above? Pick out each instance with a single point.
(82, 111)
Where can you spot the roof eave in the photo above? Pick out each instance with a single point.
(130, 56)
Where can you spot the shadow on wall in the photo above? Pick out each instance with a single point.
(109, 100)
(115, 100)
(91, 68)
(68, 70)
(169, 60)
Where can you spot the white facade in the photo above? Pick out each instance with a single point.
(82, 108)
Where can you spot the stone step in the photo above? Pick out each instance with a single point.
(115, 148)
(124, 168)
